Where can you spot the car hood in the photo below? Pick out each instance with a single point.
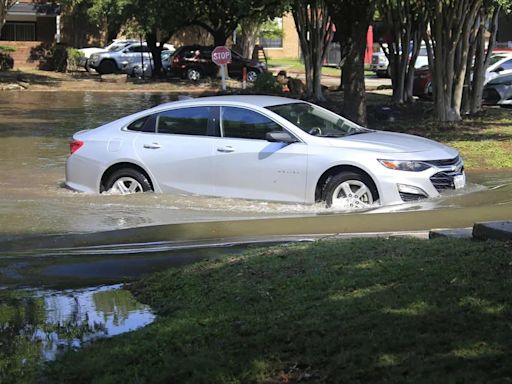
(89, 51)
(391, 142)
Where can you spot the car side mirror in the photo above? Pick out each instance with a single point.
(280, 137)
(499, 69)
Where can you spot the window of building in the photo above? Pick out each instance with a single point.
(18, 31)
(271, 35)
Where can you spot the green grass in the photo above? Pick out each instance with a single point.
(296, 66)
(354, 311)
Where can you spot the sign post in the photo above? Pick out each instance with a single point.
(222, 56)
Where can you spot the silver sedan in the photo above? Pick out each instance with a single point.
(260, 147)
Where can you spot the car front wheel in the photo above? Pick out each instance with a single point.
(252, 75)
(126, 181)
(193, 74)
(350, 191)
(107, 67)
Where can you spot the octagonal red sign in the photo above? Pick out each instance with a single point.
(221, 55)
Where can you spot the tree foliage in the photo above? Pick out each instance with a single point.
(221, 17)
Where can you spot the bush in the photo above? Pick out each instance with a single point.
(6, 61)
(74, 56)
(5, 49)
(267, 83)
(51, 57)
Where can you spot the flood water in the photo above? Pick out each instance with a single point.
(35, 128)
(36, 325)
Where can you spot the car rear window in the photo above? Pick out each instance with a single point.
(184, 121)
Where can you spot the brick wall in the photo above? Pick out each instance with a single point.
(291, 44)
(22, 53)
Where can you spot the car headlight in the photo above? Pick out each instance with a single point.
(405, 165)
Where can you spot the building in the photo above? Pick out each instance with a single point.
(28, 25)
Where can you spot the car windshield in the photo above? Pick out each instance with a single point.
(495, 59)
(317, 121)
(116, 47)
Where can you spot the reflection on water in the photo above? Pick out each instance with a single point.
(34, 132)
(36, 325)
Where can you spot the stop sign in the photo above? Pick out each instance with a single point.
(221, 55)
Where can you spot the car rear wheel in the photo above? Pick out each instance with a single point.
(193, 74)
(252, 75)
(350, 191)
(126, 181)
(106, 67)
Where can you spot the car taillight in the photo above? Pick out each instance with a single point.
(176, 59)
(75, 145)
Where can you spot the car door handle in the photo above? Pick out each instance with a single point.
(226, 149)
(152, 146)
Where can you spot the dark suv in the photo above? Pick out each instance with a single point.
(195, 61)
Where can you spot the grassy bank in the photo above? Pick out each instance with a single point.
(368, 310)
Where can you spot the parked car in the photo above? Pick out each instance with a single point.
(499, 64)
(498, 91)
(137, 68)
(116, 44)
(380, 62)
(193, 62)
(260, 147)
(120, 57)
(422, 85)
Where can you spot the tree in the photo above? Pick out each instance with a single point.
(157, 21)
(249, 31)
(221, 17)
(315, 30)
(4, 7)
(352, 19)
(480, 53)
(448, 41)
(108, 16)
(405, 22)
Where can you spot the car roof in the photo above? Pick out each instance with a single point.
(247, 100)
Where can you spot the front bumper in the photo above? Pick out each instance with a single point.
(396, 187)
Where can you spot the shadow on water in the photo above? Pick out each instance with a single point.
(36, 325)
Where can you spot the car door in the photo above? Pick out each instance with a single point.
(136, 54)
(236, 65)
(248, 166)
(178, 152)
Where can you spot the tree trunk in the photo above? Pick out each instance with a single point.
(249, 36)
(450, 26)
(354, 91)
(156, 53)
(315, 33)
(482, 59)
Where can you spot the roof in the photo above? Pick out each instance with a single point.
(34, 9)
(255, 100)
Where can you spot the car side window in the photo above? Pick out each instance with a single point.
(507, 64)
(245, 124)
(144, 124)
(184, 121)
